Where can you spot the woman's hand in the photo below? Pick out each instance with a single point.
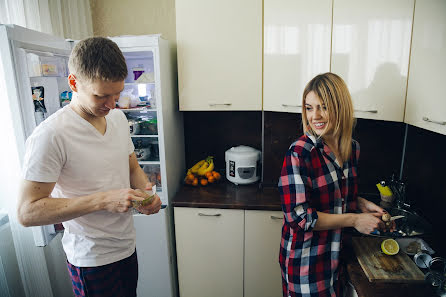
(367, 206)
(368, 222)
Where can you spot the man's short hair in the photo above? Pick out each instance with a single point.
(97, 58)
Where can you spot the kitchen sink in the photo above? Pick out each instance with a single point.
(411, 225)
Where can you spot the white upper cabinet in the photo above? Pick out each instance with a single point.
(296, 48)
(219, 47)
(370, 51)
(426, 96)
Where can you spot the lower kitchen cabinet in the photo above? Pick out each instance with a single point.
(228, 252)
(262, 243)
(209, 251)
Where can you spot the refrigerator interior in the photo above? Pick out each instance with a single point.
(139, 103)
(143, 111)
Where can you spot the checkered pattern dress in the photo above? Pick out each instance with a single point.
(312, 181)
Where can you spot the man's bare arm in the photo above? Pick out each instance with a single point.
(36, 207)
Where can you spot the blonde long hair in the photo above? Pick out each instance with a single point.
(334, 94)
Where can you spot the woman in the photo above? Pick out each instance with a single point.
(318, 189)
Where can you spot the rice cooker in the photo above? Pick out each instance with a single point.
(242, 164)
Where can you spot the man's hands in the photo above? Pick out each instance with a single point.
(119, 201)
(153, 207)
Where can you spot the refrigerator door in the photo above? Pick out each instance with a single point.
(157, 133)
(39, 68)
(152, 246)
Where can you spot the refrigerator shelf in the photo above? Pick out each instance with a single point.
(136, 136)
(135, 83)
(140, 109)
(148, 162)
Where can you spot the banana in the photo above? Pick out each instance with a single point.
(210, 168)
(207, 166)
(203, 168)
(194, 169)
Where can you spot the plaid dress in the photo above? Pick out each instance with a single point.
(312, 181)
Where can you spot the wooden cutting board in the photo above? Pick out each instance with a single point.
(379, 267)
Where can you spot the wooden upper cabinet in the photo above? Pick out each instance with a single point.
(426, 96)
(370, 51)
(296, 48)
(219, 48)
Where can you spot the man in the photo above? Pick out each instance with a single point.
(83, 156)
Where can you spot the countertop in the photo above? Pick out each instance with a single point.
(226, 195)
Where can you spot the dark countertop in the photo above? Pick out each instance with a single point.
(227, 195)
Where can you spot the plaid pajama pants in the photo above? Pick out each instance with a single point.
(115, 279)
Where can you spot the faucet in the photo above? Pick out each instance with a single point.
(398, 188)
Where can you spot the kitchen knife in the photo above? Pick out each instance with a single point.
(396, 218)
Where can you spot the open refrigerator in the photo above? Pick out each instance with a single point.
(35, 75)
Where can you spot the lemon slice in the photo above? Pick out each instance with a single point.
(390, 247)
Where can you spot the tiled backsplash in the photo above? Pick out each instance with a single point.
(424, 170)
(212, 133)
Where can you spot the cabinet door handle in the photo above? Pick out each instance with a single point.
(370, 111)
(290, 105)
(426, 119)
(276, 218)
(217, 104)
(209, 215)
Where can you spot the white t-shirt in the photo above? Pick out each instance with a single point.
(68, 150)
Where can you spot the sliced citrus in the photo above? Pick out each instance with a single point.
(390, 247)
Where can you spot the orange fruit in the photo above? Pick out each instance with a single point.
(208, 174)
(216, 175)
(195, 182)
(190, 176)
(188, 181)
(211, 179)
(204, 182)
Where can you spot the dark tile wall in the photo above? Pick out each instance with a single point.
(382, 144)
(381, 147)
(212, 133)
(424, 171)
(281, 129)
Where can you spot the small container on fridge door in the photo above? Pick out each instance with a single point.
(53, 66)
(137, 72)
